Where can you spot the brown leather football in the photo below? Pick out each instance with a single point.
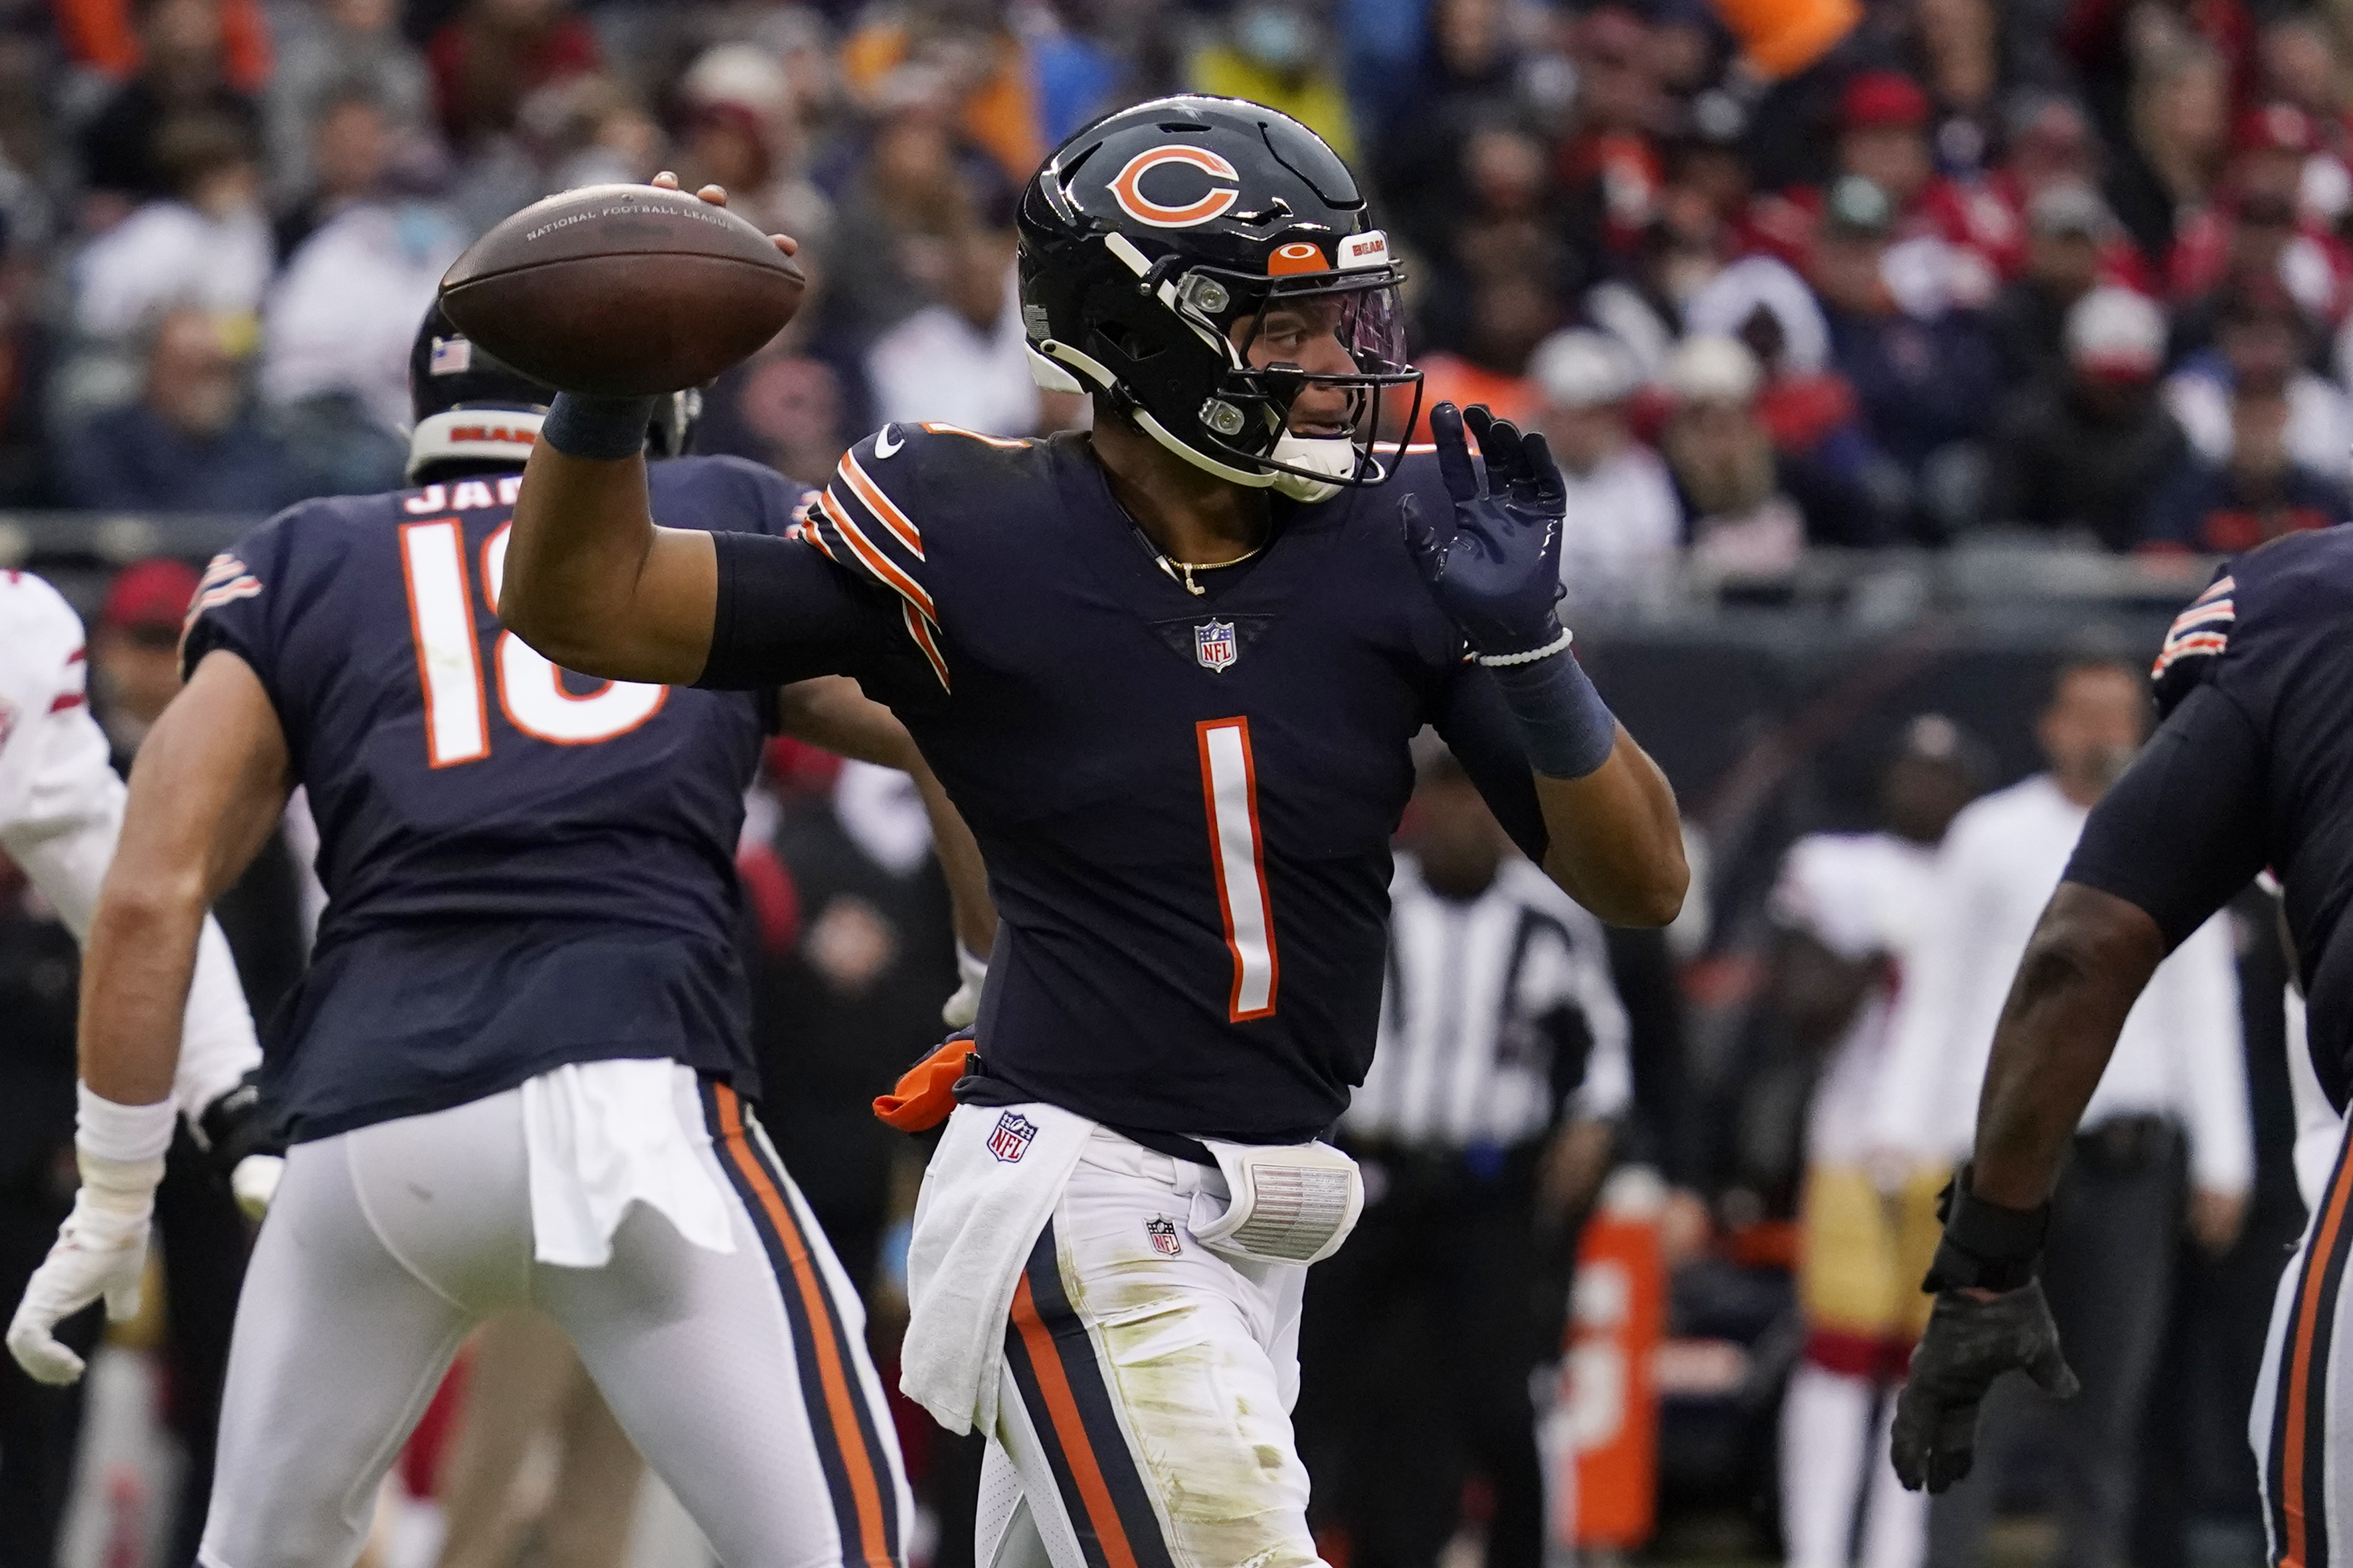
(623, 291)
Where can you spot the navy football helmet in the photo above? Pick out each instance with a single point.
(1156, 242)
(476, 414)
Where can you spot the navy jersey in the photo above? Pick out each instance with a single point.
(523, 867)
(2253, 767)
(1186, 800)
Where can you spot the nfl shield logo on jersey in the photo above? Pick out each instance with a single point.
(1163, 1232)
(1214, 646)
(1011, 1139)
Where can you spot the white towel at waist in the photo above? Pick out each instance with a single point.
(991, 1186)
(604, 1135)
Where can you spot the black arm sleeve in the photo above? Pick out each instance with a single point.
(1476, 725)
(787, 613)
(2183, 830)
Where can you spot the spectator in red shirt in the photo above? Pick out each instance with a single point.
(2262, 228)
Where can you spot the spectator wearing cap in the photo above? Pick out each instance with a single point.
(1807, 407)
(1747, 509)
(134, 650)
(2090, 448)
(2260, 228)
(1925, 383)
(2068, 226)
(190, 444)
(207, 246)
(2260, 341)
(741, 133)
(1944, 246)
(1621, 531)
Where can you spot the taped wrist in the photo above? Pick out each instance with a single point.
(1985, 1247)
(123, 1133)
(606, 429)
(1567, 729)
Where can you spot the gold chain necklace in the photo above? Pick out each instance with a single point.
(1182, 571)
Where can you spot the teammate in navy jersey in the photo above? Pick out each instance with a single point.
(1168, 671)
(2250, 768)
(517, 1069)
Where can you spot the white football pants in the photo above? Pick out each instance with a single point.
(1145, 1420)
(742, 1377)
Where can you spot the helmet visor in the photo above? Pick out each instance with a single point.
(1311, 358)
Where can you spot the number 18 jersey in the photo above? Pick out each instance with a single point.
(524, 867)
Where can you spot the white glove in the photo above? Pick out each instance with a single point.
(254, 1184)
(101, 1250)
(959, 1010)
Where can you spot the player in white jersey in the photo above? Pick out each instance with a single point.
(60, 812)
(1847, 904)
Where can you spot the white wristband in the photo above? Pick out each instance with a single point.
(1502, 660)
(127, 1134)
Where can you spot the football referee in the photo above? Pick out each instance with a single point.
(1481, 1129)
(2249, 768)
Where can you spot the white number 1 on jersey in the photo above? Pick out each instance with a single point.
(450, 661)
(1229, 790)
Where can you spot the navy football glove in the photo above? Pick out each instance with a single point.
(1972, 1338)
(1494, 565)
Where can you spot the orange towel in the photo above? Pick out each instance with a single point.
(925, 1093)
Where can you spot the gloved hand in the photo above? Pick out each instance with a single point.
(960, 1009)
(240, 1139)
(101, 1250)
(1973, 1337)
(1494, 565)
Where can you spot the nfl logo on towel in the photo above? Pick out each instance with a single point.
(1214, 646)
(1163, 1232)
(1011, 1139)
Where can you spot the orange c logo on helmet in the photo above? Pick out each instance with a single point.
(1127, 187)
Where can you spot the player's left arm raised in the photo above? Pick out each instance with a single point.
(1614, 841)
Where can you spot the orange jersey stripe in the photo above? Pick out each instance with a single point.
(864, 1487)
(881, 505)
(920, 628)
(1007, 442)
(872, 559)
(1062, 1409)
(2299, 1382)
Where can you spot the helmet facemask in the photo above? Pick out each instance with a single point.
(1233, 416)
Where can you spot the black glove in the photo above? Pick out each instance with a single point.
(1494, 564)
(238, 1124)
(1973, 1338)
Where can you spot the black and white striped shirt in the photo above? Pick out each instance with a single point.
(1489, 1007)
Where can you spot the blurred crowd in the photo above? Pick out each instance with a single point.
(1774, 273)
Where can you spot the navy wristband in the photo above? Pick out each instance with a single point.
(606, 429)
(1569, 730)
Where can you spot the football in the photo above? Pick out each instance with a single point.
(623, 291)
